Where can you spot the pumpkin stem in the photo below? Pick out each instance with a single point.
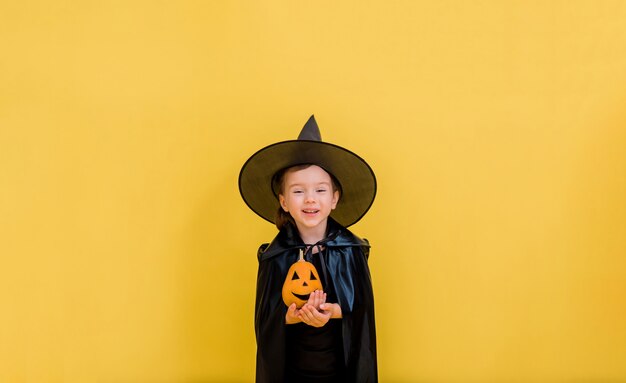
(301, 256)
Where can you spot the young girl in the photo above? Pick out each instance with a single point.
(312, 191)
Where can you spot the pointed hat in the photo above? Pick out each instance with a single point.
(356, 178)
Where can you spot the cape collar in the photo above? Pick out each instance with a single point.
(289, 239)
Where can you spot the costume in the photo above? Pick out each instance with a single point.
(347, 268)
(346, 347)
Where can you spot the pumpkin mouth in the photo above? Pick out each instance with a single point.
(303, 297)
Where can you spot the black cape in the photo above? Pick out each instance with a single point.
(347, 268)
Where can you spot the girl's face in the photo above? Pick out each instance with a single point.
(308, 196)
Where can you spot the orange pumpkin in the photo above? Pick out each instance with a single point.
(302, 279)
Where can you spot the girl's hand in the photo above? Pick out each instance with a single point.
(316, 312)
(317, 298)
(334, 308)
(312, 316)
(292, 316)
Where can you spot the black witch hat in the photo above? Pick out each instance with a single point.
(356, 178)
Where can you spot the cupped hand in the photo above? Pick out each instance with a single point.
(312, 316)
(317, 298)
(316, 312)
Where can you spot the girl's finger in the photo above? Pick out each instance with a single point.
(305, 317)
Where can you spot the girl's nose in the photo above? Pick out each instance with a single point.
(309, 197)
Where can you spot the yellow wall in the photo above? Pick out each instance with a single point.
(497, 131)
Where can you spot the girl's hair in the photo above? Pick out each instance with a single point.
(278, 183)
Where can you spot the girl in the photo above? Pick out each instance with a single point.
(312, 191)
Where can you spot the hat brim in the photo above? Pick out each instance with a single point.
(357, 179)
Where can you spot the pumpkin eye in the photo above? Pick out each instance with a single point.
(313, 276)
(295, 276)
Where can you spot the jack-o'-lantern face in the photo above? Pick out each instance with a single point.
(302, 279)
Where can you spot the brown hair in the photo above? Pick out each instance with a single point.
(278, 183)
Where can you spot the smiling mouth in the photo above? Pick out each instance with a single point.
(310, 211)
(304, 297)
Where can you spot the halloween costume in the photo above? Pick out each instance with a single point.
(343, 350)
(347, 270)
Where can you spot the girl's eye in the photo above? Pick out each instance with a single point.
(321, 190)
(297, 191)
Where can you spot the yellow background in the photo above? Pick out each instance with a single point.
(497, 130)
